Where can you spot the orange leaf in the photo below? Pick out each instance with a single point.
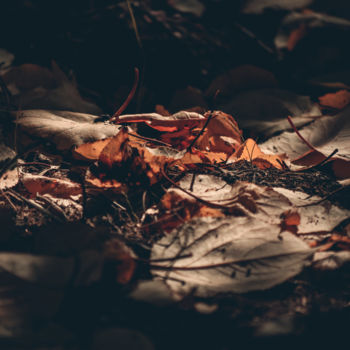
(337, 100)
(56, 187)
(250, 151)
(290, 221)
(91, 150)
(221, 135)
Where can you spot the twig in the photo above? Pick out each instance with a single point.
(300, 136)
(33, 204)
(251, 35)
(122, 108)
(189, 255)
(150, 140)
(56, 207)
(192, 182)
(324, 160)
(200, 133)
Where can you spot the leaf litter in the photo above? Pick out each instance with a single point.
(174, 207)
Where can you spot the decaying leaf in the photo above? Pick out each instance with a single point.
(231, 255)
(9, 179)
(124, 160)
(174, 209)
(36, 184)
(64, 129)
(315, 216)
(330, 260)
(251, 152)
(327, 134)
(337, 100)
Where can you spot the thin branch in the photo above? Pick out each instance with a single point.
(122, 108)
(200, 133)
(300, 136)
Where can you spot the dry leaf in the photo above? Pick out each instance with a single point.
(64, 129)
(326, 134)
(221, 135)
(228, 255)
(251, 152)
(337, 100)
(126, 161)
(9, 179)
(37, 184)
(315, 216)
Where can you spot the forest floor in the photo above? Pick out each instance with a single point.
(200, 200)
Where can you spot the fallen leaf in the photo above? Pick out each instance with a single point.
(9, 179)
(251, 152)
(126, 161)
(231, 255)
(337, 100)
(330, 260)
(315, 216)
(326, 134)
(37, 184)
(64, 129)
(221, 135)
(175, 208)
(170, 123)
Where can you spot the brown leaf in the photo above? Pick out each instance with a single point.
(56, 187)
(251, 152)
(221, 135)
(125, 160)
(337, 100)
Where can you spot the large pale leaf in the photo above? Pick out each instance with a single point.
(234, 255)
(64, 129)
(315, 215)
(326, 134)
